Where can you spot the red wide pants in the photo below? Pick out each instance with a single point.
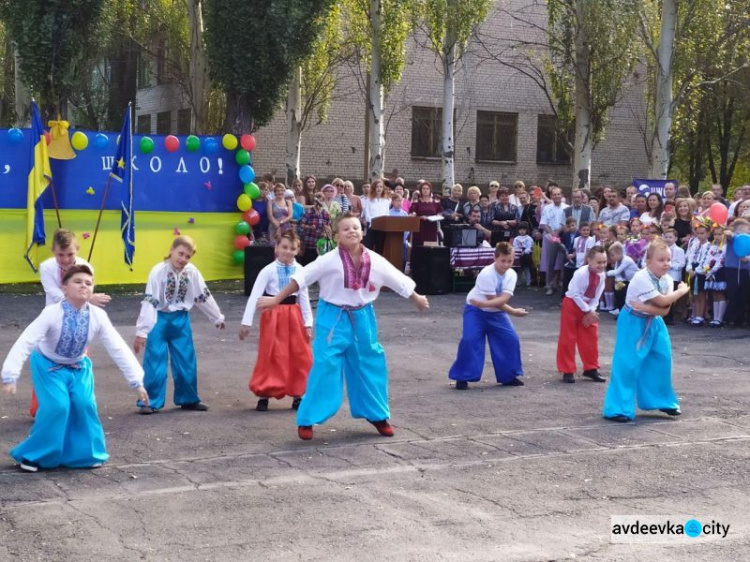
(572, 333)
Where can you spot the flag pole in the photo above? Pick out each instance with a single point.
(54, 202)
(99, 218)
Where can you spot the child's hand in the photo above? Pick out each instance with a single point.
(266, 303)
(9, 388)
(309, 332)
(244, 332)
(100, 299)
(683, 288)
(520, 312)
(590, 318)
(420, 301)
(142, 395)
(140, 343)
(475, 303)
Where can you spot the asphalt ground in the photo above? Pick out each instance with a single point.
(493, 473)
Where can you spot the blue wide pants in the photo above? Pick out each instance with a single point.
(345, 347)
(171, 338)
(641, 367)
(66, 430)
(505, 348)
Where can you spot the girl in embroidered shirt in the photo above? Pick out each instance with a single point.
(284, 355)
(67, 430)
(695, 256)
(716, 284)
(345, 344)
(173, 287)
(642, 360)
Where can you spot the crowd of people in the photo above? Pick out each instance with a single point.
(635, 255)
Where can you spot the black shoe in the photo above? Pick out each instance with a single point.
(671, 411)
(262, 405)
(462, 385)
(296, 402)
(618, 419)
(514, 382)
(146, 410)
(28, 466)
(197, 407)
(569, 377)
(594, 375)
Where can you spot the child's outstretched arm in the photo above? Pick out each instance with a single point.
(267, 303)
(647, 308)
(674, 296)
(498, 301)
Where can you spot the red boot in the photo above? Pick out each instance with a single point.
(384, 428)
(305, 432)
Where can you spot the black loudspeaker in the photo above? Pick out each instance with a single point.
(431, 269)
(256, 258)
(461, 236)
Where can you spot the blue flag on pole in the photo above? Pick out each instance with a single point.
(122, 171)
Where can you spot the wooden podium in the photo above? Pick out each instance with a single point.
(394, 228)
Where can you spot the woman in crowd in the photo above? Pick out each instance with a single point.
(453, 206)
(505, 219)
(654, 209)
(374, 206)
(423, 208)
(472, 202)
(308, 191)
(683, 223)
(355, 203)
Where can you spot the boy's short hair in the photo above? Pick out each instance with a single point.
(616, 247)
(484, 196)
(584, 223)
(671, 231)
(570, 220)
(503, 249)
(396, 197)
(64, 238)
(72, 270)
(595, 250)
(523, 225)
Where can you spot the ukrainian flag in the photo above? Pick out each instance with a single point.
(40, 176)
(122, 172)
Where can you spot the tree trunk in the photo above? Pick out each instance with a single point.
(239, 117)
(449, 73)
(375, 95)
(583, 143)
(293, 126)
(198, 73)
(22, 97)
(664, 100)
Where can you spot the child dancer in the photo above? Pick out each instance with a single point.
(486, 317)
(677, 268)
(583, 243)
(716, 283)
(284, 355)
(51, 271)
(67, 431)
(579, 321)
(523, 246)
(737, 275)
(623, 270)
(696, 255)
(642, 360)
(173, 287)
(345, 344)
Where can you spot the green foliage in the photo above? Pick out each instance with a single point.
(395, 26)
(609, 26)
(54, 39)
(460, 17)
(253, 45)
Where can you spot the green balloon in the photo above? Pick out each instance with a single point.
(238, 256)
(193, 143)
(242, 228)
(242, 157)
(252, 190)
(147, 145)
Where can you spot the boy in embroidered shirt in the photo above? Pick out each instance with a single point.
(523, 246)
(173, 287)
(345, 343)
(583, 243)
(579, 321)
(486, 318)
(642, 360)
(67, 431)
(623, 270)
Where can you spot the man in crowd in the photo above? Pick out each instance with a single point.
(615, 212)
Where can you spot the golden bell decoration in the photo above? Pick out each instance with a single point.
(59, 146)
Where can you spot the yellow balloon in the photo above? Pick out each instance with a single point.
(244, 202)
(229, 141)
(79, 140)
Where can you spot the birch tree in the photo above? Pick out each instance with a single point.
(449, 24)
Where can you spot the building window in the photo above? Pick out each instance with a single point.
(496, 136)
(143, 126)
(183, 121)
(143, 77)
(552, 142)
(163, 123)
(426, 123)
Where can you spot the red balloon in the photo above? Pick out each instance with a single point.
(47, 137)
(251, 217)
(172, 143)
(718, 213)
(241, 242)
(247, 142)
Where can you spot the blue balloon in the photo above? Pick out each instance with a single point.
(15, 136)
(211, 146)
(247, 174)
(101, 141)
(298, 211)
(741, 245)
